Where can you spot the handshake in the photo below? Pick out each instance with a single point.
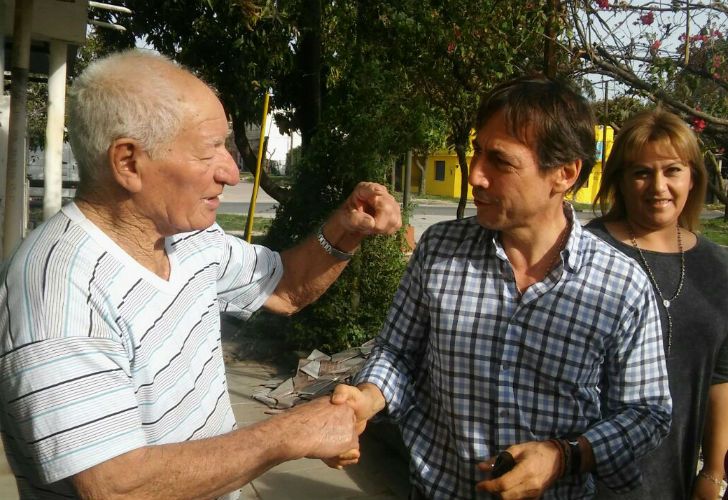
(366, 400)
(326, 428)
(533, 466)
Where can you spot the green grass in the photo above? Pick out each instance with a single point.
(582, 207)
(281, 180)
(716, 230)
(233, 222)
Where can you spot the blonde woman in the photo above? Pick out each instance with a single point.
(652, 192)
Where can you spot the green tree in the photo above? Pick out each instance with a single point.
(37, 113)
(673, 55)
(329, 89)
(233, 45)
(364, 82)
(454, 51)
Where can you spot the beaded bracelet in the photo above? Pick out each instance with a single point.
(563, 459)
(711, 478)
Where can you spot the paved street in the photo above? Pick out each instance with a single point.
(236, 200)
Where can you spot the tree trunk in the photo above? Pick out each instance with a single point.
(715, 190)
(423, 170)
(460, 138)
(463, 162)
(250, 158)
(309, 60)
(549, 49)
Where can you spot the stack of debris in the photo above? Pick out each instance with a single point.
(316, 376)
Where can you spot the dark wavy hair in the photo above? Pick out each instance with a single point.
(549, 115)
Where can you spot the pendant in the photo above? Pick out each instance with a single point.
(666, 303)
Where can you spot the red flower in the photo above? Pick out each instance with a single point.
(654, 46)
(603, 4)
(648, 18)
(698, 124)
(451, 47)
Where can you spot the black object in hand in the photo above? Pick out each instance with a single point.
(504, 462)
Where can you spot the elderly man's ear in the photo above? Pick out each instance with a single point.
(125, 159)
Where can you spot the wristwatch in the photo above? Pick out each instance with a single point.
(575, 456)
(330, 248)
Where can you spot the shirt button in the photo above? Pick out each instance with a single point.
(503, 413)
(505, 366)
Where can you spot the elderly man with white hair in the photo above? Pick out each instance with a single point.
(110, 353)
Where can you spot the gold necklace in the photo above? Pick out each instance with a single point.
(665, 302)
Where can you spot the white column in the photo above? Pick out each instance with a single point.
(4, 112)
(15, 187)
(53, 172)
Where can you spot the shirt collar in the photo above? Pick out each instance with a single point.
(570, 254)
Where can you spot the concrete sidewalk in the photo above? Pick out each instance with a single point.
(381, 473)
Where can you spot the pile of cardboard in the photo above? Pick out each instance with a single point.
(315, 376)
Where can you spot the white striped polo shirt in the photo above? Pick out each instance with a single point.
(99, 356)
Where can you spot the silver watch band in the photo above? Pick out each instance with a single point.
(331, 249)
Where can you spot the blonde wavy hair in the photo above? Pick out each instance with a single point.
(646, 127)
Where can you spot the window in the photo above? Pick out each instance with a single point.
(440, 170)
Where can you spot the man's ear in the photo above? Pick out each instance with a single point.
(566, 176)
(125, 156)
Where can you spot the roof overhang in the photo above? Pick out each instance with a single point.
(63, 20)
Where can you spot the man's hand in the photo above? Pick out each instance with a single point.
(211, 467)
(307, 269)
(369, 209)
(320, 429)
(366, 401)
(537, 468)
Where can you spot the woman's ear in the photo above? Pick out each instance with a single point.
(125, 158)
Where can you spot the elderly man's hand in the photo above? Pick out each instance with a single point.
(320, 429)
(369, 209)
(537, 468)
(366, 401)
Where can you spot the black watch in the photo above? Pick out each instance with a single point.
(575, 457)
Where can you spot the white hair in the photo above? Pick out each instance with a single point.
(126, 94)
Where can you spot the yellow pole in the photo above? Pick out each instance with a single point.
(256, 182)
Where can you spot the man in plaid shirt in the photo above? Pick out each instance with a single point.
(518, 331)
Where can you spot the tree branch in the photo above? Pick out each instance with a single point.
(605, 61)
(716, 6)
(702, 73)
(718, 193)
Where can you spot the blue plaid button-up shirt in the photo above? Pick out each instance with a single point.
(468, 367)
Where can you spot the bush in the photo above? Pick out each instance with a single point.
(354, 308)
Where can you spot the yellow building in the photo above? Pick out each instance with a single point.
(589, 190)
(443, 173)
